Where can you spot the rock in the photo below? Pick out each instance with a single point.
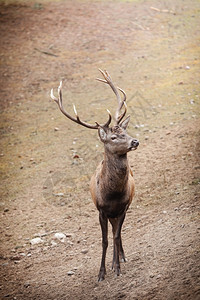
(84, 251)
(60, 236)
(59, 194)
(36, 241)
(70, 273)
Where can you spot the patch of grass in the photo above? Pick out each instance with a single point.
(195, 181)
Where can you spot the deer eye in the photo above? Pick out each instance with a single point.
(113, 137)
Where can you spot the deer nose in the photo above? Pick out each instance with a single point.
(134, 143)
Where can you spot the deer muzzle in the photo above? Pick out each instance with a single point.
(134, 144)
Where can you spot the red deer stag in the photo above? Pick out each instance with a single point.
(112, 185)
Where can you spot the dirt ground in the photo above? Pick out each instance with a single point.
(151, 49)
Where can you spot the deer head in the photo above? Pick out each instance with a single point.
(115, 138)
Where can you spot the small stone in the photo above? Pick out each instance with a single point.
(59, 194)
(164, 212)
(70, 273)
(187, 67)
(56, 129)
(60, 236)
(6, 209)
(36, 241)
(84, 251)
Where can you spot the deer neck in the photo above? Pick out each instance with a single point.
(115, 171)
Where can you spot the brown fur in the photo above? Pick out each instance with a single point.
(112, 189)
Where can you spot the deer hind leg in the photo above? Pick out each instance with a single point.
(104, 228)
(117, 243)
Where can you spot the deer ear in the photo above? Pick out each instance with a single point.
(124, 124)
(102, 134)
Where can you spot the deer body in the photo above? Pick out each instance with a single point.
(112, 185)
(112, 190)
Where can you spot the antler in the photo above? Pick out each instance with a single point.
(108, 80)
(77, 119)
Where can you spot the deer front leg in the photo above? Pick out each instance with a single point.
(117, 243)
(121, 251)
(104, 227)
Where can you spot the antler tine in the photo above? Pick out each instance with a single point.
(77, 119)
(121, 102)
(124, 94)
(123, 114)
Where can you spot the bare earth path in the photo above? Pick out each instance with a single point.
(151, 49)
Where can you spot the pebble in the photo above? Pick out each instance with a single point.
(59, 194)
(60, 236)
(70, 273)
(84, 251)
(36, 241)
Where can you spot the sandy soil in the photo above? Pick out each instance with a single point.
(151, 49)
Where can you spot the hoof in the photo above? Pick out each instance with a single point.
(101, 276)
(123, 259)
(100, 279)
(117, 271)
